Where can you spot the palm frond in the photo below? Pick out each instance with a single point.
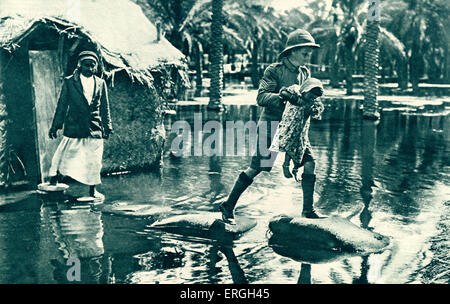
(197, 10)
(392, 45)
(233, 37)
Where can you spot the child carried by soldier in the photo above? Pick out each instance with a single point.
(291, 136)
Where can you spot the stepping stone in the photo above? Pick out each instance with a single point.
(47, 187)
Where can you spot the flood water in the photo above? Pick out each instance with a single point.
(391, 177)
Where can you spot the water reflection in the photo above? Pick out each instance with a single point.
(237, 273)
(368, 144)
(305, 274)
(368, 137)
(77, 231)
(20, 245)
(217, 191)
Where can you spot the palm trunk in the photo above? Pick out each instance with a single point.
(414, 68)
(447, 55)
(349, 64)
(175, 36)
(447, 64)
(334, 75)
(198, 69)
(334, 64)
(255, 68)
(3, 125)
(216, 71)
(402, 74)
(415, 60)
(371, 70)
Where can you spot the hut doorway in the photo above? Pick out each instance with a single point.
(46, 79)
(20, 160)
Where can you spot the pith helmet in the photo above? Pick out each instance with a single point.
(298, 38)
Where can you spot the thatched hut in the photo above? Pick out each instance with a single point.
(39, 42)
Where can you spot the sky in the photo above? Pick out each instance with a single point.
(287, 4)
(282, 5)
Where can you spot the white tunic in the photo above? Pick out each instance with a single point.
(79, 158)
(88, 84)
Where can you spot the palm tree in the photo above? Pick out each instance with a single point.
(185, 23)
(257, 26)
(216, 55)
(172, 15)
(197, 52)
(197, 19)
(371, 67)
(422, 27)
(325, 28)
(395, 52)
(216, 49)
(339, 32)
(349, 38)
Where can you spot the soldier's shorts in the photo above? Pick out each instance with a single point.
(265, 162)
(264, 159)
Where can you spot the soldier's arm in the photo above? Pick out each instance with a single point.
(268, 91)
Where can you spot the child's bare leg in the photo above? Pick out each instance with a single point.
(287, 161)
(295, 170)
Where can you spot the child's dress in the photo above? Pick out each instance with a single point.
(292, 132)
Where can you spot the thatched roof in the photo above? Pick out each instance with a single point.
(126, 38)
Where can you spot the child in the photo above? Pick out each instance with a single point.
(292, 133)
(83, 110)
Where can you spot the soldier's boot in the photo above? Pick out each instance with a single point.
(308, 183)
(227, 207)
